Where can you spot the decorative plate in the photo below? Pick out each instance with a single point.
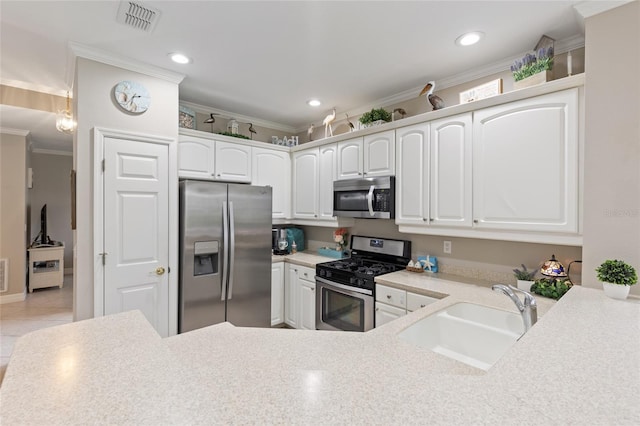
(132, 97)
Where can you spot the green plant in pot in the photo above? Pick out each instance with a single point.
(375, 115)
(617, 277)
(524, 277)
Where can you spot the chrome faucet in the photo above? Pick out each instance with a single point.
(528, 310)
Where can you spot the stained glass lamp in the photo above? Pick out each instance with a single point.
(553, 269)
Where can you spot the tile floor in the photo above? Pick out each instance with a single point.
(45, 307)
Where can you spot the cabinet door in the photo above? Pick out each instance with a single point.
(412, 174)
(387, 313)
(450, 196)
(380, 154)
(350, 159)
(307, 304)
(233, 162)
(273, 168)
(291, 296)
(327, 174)
(305, 184)
(277, 293)
(525, 164)
(196, 157)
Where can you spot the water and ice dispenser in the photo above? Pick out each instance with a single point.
(205, 261)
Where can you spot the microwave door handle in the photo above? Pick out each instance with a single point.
(370, 199)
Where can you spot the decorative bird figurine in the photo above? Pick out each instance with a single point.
(400, 111)
(351, 126)
(327, 122)
(310, 132)
(252, 130)
(211, 120)
(434, 100)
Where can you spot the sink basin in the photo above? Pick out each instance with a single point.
(474, 334)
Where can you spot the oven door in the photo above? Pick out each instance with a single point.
(340, 307)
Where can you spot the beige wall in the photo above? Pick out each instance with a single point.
(13, 214)
(95, 107)
(51, 186)
(263, 134)
(612, 142)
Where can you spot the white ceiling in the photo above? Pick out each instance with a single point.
(265, 59)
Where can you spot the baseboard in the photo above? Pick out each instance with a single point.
(11, 298)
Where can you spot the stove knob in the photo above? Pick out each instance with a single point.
(321, 272)
(328, 274)
(353, 280)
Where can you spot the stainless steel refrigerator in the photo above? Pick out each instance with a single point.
(225, 255)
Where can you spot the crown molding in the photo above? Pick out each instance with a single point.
(561, 46)
(15, 132)
(242, 118)
(52, 152)
(82, 51)
(588, 9)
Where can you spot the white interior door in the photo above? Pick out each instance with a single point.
(136, 229)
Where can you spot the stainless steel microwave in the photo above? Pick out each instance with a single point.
(372, 198)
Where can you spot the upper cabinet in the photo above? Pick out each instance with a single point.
(327, 166)
(273, 168)
(305, 178)
(368, 156)
(204, 158)
(433, 178)
(526, 164)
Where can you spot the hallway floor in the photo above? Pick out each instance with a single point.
(46, 307)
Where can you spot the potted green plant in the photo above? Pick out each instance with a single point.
(554, 288)
(617, 277)
(524, 277)
(375, 117)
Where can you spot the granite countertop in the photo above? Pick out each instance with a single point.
(579, 364)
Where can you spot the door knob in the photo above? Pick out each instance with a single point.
(159, 270)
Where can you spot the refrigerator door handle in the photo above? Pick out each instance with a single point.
(232, 248)
(225, 255)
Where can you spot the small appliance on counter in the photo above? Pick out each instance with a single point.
(285, 239)
(281, 244)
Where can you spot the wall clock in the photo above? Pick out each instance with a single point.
(132, 97)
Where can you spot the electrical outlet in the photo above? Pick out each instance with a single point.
(447, 247)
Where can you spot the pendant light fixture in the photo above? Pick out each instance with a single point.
(64, 120)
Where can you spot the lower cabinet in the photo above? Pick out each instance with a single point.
(277, 293)
(393, 303)
(300, 297)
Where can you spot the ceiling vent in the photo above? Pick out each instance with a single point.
(136, 15)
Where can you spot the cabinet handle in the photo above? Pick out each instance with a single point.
(377, 309)
(422, 306)
(430, 219)
(424, 219)
(475, 220)
(315, 215)
(388, 296)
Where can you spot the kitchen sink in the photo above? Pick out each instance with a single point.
(474, 334)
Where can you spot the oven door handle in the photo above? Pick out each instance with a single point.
(370, 199)
(344, 287)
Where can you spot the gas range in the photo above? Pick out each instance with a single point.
(370, 257)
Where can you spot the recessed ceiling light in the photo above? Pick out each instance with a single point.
(469, 38)
(314, 102)
(179, 58)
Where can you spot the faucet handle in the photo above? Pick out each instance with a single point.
(529, 300)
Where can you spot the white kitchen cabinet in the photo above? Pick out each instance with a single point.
(434, 174)
(314, 171)
(393, 303)
(291, 287)
(350, 164)
(450, 194)
(525, 164)
(196, 158)
(277, 293)
(233, 162)
(412, 174)
(373, 155)
(387, 313)
(273, 168)
(300, 299)
(379, 154)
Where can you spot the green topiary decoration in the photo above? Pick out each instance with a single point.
(375, 115)
(617, 272)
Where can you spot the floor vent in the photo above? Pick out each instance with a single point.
(4, 275)
(135, 15)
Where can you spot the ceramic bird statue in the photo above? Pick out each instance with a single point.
(211, 120)
(327, 122)
(434, 100)
(351, 126)
(252, 130)
(400, 111)
(310, 132)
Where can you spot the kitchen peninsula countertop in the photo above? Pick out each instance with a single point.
(305, 258)
(579, 364)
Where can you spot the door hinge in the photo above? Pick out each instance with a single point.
(103, 164)
(168, 269)
(104, 258)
